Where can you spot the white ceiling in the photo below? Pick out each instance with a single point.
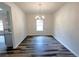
(39, 7)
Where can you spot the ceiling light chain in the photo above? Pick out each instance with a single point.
(40, 17)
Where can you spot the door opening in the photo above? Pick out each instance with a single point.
(5, 27)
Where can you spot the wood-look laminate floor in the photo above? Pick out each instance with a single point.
(39, 46)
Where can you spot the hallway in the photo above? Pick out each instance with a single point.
(39, 46)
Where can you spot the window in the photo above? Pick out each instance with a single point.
(39, 23)
(1, 25)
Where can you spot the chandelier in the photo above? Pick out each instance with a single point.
(40, 17)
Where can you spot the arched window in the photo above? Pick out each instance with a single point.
(39, 23)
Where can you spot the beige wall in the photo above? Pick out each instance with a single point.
(48, 23)
(66, 28)
(19, 25)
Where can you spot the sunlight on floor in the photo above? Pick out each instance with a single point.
(2, 42)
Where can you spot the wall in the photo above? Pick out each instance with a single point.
(19, 25)
(32, 24)
(66, 26)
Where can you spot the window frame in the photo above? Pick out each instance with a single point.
(39, 24)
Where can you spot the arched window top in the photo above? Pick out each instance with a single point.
(40, 17)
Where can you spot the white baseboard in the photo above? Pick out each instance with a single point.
(18, 44)
(66, 46)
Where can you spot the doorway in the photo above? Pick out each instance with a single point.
(2, 38)
(5, 27)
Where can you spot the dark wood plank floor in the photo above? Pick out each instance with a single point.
(39, 46)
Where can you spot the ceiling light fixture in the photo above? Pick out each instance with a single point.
(40, 17)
